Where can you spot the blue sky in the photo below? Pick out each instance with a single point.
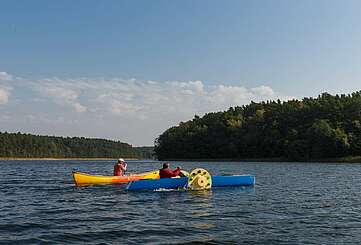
(128, 70)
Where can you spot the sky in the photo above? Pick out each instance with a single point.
(128, 70)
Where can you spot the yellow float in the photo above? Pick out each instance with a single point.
(199, 179)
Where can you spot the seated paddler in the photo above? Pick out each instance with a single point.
(167, 172)
(120, 167)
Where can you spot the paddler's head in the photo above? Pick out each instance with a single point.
(165, 165)
(121, 160)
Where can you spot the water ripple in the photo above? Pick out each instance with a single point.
(292, 203)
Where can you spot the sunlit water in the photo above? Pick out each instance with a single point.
(291, 203)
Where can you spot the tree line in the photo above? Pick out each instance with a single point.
(312, 128)
(28, 145)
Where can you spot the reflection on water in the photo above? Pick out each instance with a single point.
(201, 203)
(200, 193)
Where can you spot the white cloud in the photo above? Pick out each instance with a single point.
(4, 96)
(79, 108)
(5, 76)
(263, 91)
(129, 110)
(61, 95)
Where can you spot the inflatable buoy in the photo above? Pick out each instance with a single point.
(199, 179)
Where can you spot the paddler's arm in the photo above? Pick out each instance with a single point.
(123, 168)
(176, 172)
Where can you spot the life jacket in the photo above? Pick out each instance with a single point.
(118, 169)
(169, 173)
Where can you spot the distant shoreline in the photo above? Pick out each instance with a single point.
(61, 159)
(348, 159)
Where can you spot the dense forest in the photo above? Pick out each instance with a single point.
(324, 127)
(27, 145)
(146, 152)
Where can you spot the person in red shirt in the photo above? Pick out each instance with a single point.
(166, 172)
(120, 167)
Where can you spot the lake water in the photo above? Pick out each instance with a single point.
(291, 203)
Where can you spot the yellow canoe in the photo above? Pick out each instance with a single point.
(87, 179)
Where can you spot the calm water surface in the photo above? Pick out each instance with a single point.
(292, 203)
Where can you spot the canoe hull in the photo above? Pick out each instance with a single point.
(87, 179)
(234, 180)
(180, 183)
(166, 183)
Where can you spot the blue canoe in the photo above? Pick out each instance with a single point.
(176, 183)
